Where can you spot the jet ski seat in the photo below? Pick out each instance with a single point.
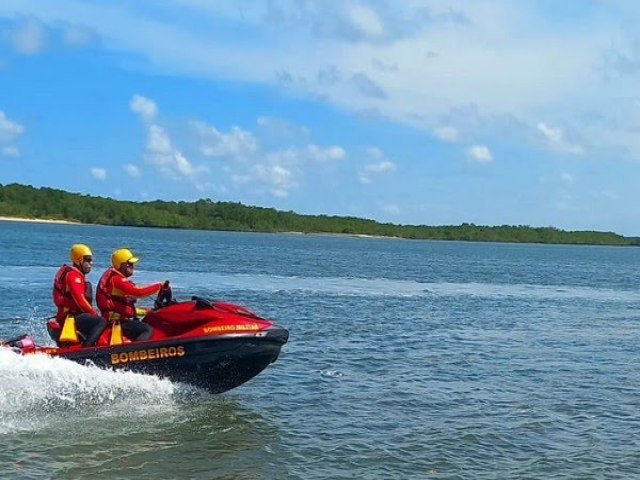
(54, 329)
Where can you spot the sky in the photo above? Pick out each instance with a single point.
(421, 112)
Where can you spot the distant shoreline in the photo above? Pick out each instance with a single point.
(37, 220)
(60, 207)
(68, 222)
(4, 218)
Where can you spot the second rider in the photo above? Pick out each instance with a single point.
(116, 295)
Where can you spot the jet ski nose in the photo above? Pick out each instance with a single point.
(275, 333)
(283, 334)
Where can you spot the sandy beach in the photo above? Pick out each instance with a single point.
(330, 234)
(36, 220)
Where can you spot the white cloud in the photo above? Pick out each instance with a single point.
(446, 133)
(77, 37)
(365, 175)
(556, 140)
(566, 177)
(391, 209)
(608, 195)
(280, 192)
(326, 154)
(381, 167)
(241, 180)
(29, 38)
(10, 151)
(184, 167)
(278, 178)
(172, 163)
(212, 187)
(289, 156)
(479, 154)
(375, 153)
(281, 127)
(8, 128)
(99, 173)
(159, 144)
(277, 173)
(552, 134)
(160, 151)
(132, 170)
(144, 106)
(365, 20)
(364, 179)
(237, 143)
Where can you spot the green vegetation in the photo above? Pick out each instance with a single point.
(47, 203)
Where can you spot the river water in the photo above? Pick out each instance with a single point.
(407, 359)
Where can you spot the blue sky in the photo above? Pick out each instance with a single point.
(414, 112)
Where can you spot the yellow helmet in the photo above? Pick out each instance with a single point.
(78, 252)
(122, 255)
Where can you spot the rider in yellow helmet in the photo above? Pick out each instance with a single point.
(116, 294)
(72, 294)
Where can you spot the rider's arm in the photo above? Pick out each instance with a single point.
(76, 288)
(128, 288)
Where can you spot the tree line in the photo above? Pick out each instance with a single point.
(47, 203)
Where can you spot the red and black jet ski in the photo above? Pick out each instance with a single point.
(213, 345)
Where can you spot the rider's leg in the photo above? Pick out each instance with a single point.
(91, 326)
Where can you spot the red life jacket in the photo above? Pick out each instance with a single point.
(62, 297)
(109, 302)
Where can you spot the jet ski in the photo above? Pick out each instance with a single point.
(210, 344)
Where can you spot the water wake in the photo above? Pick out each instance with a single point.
(350, 286)
(35, 390)
(190, 282)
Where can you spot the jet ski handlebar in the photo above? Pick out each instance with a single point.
(201, 302)
(165, 296)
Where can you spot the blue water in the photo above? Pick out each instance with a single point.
(407, 359)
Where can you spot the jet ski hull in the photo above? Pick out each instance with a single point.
(216, 364)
